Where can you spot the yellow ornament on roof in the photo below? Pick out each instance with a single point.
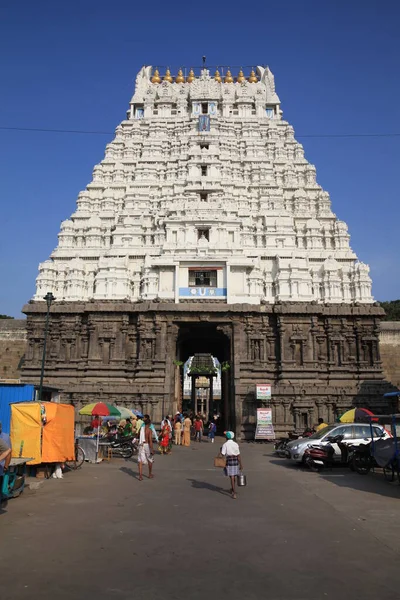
(167, 76)
(217, 76)
(156, 77)
(253, 77)
(191, 77)
(228, 77)
(180, 78)
(241, 77)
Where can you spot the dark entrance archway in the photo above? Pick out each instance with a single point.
(212, 339)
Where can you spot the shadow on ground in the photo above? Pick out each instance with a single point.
(204, 485)
(373, 483)
(130, 472)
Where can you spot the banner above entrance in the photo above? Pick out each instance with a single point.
(201, 291)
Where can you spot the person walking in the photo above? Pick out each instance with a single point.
(178, 432)
(198, 428)
(146, 452)
(212, 428)
(233, 460)
(187, 424)
(165, 438)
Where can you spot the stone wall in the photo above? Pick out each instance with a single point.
(13, 337)
(320, 359)
(13, 344)
(390, 351)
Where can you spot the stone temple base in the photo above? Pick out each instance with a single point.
(319, 359)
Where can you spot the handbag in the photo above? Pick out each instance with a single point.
(220, 461)
(241, 480)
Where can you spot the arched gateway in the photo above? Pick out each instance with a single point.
(204, 231)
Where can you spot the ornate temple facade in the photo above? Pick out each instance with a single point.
(204, 230)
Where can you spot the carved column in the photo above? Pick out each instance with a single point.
(287, 417)
(281, 339)
(297, 416)
(330, 409)
(94, 348)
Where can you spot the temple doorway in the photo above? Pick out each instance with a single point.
(202, 385)
(205, 379)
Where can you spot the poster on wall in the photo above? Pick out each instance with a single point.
(263, 391)
(264, 428)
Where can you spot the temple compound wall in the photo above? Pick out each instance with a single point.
(12, 348)
(319, 359)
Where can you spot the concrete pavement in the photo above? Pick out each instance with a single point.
(290, 535)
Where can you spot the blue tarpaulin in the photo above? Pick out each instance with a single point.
(13, 393)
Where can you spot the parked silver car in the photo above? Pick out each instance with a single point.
(353, 433)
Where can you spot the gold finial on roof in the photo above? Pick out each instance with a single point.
(253, 77)
(180, 78)
(156, 77)
(167, 76)
(228, 77)
(191, 76)
(217, 76)
(240, 77)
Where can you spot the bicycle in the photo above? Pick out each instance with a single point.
(392, 469)
(75, 464)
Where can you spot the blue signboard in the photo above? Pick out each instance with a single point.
(197, 292)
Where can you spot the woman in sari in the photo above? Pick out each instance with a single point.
(165, 438)
(187, 423)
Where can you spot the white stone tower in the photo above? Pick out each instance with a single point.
(204, 193)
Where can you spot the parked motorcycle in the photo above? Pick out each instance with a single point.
(124, 446)
(281, 444)
(357, 457)
(319, 457)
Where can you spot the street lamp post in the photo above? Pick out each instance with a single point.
(49, 299)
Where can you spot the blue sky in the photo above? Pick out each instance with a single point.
(73, 65)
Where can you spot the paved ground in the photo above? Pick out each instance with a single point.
(290, 535)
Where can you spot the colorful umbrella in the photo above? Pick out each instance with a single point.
(125, 413)
(100, 409)
(137, 413)
(355, 414)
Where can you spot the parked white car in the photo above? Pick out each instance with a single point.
(353, 433)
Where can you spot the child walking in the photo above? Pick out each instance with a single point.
(212, 428)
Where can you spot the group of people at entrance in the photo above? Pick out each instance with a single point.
(186, 427)
(181, 429)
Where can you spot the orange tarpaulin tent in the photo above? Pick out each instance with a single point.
(46, 440)
(25, 432)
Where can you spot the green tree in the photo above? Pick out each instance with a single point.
(5, 317)
(392, 310)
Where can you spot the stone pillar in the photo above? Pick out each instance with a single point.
(193, 399)
(297, 413)
(286, 412)
(331, 416)
(211, 399)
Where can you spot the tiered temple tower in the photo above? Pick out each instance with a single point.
(204, 222)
